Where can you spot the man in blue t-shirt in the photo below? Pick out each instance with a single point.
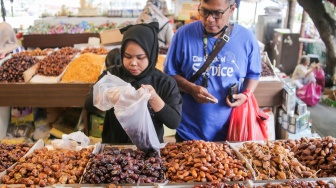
(237, 62)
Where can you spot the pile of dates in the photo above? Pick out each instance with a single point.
(118, 166)
(12, 70)
(66, 51)
(299, 184)
(48, 167)
(273, 161)
(53, 65)
(200, 161)
(221, 185)
(266, 70)
(11, 153)
(35, 52)
(98, 51)
(316, 153)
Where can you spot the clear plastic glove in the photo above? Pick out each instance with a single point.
(71, 141)
(106, 91)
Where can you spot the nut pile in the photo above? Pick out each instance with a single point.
(66, 51)
(11, 153)
(273, 161)
(35, 52)
(126, 165)
(86, 68)
(298, 184)
(48, 167)
(53, 65)
(315, 153)
(266, 70)
(221, 185)
(200, 161)
(12, 69)
(98, 51)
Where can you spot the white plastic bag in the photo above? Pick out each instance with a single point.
(70, 141)
(104, 90)
(132, 112)
(130, 108)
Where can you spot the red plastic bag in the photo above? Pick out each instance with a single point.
(310, 93)
(247, 122)
(320, 77)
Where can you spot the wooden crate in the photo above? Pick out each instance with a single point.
(56, 40)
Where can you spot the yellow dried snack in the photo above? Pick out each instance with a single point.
(85, 68)
(160, 62)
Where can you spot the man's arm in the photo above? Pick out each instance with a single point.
(184, 85)
(251, 84)
(199, 93)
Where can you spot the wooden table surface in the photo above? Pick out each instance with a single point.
(268, 93)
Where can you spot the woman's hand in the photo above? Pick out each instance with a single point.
(155, 100)
(3, 55)
(240, 99)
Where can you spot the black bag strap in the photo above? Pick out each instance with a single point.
(213, 54)
(162, 40)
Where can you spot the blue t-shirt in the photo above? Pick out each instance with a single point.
(238, 59)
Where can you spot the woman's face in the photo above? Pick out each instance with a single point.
(135, 59)
(307, 62)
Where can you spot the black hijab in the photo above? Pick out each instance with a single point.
(146, 36)
(113, 58)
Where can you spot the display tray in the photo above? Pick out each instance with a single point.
(38, 145)
(277, 183)
(247, 184)
(38, 78)
(269, 93)
(56, 40)
(44, 94)
(99, 148)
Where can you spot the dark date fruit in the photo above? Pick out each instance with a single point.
(12, 69)
(120, 166)
(266, 70)
(11, 153)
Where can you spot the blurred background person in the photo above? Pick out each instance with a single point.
(8, 41)
(155, 11)
(113, 58)
(303, 74)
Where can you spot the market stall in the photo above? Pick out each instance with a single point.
(51, 91)
(292, 163)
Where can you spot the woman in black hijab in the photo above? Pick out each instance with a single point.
(139, 53)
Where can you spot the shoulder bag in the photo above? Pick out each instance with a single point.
(213, 54)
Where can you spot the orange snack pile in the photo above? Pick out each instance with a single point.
(160, 62)
(85, 68)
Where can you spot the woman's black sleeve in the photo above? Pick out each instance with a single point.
(170, 114)
(88, 105)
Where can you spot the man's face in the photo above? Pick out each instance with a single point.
(220, 9)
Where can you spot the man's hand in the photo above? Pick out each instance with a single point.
(202, 95)
(199, 93)
(240, 99)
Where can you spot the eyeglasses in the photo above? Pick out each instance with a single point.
(215, 14)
